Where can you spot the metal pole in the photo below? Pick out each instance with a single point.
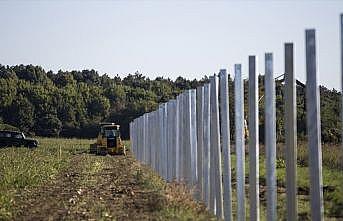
(290, 134)
(207, 145)
(215, 147)
(270, 137)
(225, 129)
(313, 128)
(253, 141)
(239, 142)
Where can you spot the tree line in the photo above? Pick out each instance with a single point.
(72, 103)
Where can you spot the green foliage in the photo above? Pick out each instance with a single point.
(72, 103)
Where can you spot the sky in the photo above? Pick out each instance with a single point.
(169, 38)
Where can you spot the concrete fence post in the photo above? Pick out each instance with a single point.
(141, 128)
(135, 136)
(200, 141)
(270, 137)
(215, 148)
(240, 142)
(194, 145)
(341, 43)
(313, 128)
(207, 145)
(212, 192)
(253, 140)
(188, 134)
(160, 145)
(179, 140)
(138, 136)
(225, 135)
(139, 140)
(171, 136)
(165, 141)
(152, 142)
(290, 134)
(182, 137)
(145, 138)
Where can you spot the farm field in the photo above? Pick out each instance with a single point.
(60, 180)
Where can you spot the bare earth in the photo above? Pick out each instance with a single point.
(101, 188)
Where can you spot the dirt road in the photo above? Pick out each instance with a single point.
(108, 188)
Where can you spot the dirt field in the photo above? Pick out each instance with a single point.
(105, 188)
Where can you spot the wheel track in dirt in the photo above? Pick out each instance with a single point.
(92, 188)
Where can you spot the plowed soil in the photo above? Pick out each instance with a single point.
(107, 188)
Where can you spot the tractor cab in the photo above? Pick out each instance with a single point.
(108, 140)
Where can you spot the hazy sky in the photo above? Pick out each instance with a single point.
(168, 38)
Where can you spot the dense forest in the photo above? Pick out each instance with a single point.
(72, 103)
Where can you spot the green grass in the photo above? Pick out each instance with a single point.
(175, 200)
(332, 181)
(22, 168)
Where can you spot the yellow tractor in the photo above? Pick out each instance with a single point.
(108, 141)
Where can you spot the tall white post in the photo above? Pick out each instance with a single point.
(153, 139)
(253, 141)
(341, 42)
(179, 140)
(290, 134)
(145, 137)
(313, 128)
(215, 147)
(165, 142)
(212, 184)
(270, 137)
(193, 138)
(207, 145)
(188, 134)
(171, 118)
(225, 129)
(239, 142)
(200, 141)
(174, 142)
(182, 137)
(160, 140)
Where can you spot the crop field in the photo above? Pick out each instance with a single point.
(60, 180)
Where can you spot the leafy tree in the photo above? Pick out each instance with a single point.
(49, 126)
(21, 114)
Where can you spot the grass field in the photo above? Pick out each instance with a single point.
(332, 183)
(60, 180)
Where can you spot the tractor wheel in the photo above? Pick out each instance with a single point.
(92, 148)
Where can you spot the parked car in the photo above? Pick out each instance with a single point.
(17, 139)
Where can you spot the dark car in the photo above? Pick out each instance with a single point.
(17, 139)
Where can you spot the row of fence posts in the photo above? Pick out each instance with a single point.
(186, 139)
